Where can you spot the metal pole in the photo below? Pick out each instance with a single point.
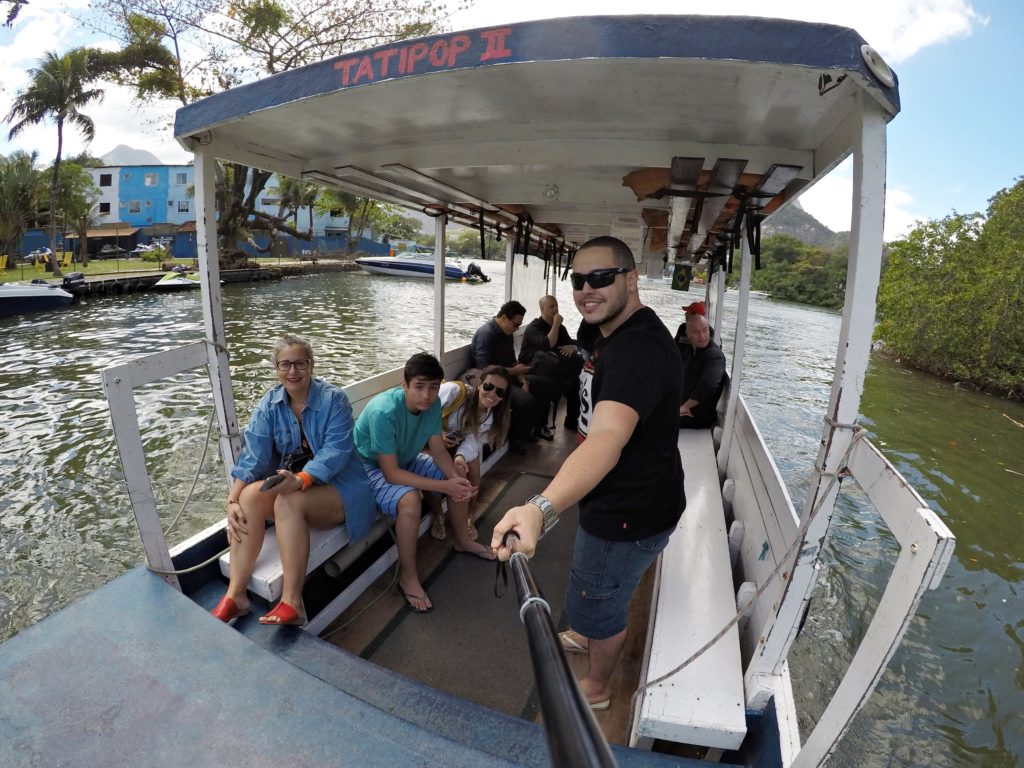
(574, 738)
(440, 264)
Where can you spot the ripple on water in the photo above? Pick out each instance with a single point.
(947, 699)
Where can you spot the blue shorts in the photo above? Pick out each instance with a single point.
(388, 494)
(603, 578)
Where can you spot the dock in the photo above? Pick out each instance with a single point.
(116, 283)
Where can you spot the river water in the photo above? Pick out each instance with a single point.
(952, 696)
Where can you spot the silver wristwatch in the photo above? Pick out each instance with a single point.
(550, 516)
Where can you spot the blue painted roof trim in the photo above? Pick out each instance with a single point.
(735, 38)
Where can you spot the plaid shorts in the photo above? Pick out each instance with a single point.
(388, 494)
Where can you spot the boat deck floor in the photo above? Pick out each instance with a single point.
(473, 644)
(137, 673)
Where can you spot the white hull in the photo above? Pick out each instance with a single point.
(177, 282)
(19, 298)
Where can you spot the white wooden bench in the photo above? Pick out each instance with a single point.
(693, 599)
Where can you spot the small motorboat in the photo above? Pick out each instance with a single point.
(178, 279)
(18, 298)
(416, 264)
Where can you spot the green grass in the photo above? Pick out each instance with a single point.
(19, 272)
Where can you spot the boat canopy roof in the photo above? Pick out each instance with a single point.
(578, 125)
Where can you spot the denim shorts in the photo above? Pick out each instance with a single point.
(388, 494)
(603, 578)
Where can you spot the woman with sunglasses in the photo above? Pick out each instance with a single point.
(319, 483)
(480, 421)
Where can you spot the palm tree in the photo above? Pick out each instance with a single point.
(19, 197)
(58, 91)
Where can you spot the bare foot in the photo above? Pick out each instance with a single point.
(479, 550)
(594, 694)
(415, 597)
(437, 527)
(573, 642)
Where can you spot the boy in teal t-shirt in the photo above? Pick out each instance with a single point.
(390, 435)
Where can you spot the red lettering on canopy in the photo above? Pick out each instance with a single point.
(384, 57)
(496, 47)
(417, 52)
(438, 53)
(345, 65)
(459, 44)
(365, 69)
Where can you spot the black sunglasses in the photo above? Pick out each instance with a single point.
(488, 387)
(599, 278)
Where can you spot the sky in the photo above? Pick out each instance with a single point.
(955, 143)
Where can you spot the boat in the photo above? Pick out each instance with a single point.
(420, 264)
(19, 298)
(544, 145)
(179, 278)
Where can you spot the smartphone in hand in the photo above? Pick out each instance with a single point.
(271, 481)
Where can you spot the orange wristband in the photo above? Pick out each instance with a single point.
(306, 478)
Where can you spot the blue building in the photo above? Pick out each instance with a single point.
(138, 204)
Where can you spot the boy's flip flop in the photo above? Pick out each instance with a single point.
(570, 645)
(409, 597)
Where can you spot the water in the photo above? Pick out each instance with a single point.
(953, 694)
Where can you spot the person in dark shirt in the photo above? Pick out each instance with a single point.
(530, 397)
(626, 475)
(703, 374)
(554, 355)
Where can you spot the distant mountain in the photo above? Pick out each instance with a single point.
(122, 154)
(798, 223)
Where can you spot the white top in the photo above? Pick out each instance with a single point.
(471, 444)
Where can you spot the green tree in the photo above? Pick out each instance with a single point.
(793, 271)
(999, 296)
(20, 186)
(926, 294)
(77, 199)
(294, 194)
(58, 91)
(466, 242)
(401, 227)
(209, 49)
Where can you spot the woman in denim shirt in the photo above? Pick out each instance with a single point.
(300, 418)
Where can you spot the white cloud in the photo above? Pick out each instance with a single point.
(896, 28)
(119, 118)
(830, 201)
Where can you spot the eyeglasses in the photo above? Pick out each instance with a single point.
(287, 365)
(599, 278)
(488, 387)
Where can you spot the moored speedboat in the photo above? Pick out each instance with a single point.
(18, 298)
(417, 264)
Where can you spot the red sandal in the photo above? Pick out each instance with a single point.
(227, 609)
(283, 614)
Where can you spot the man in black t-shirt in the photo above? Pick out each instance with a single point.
(626, 475)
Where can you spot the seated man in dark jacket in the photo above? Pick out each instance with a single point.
(703, 374)
(530, 396)
(553, 354)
